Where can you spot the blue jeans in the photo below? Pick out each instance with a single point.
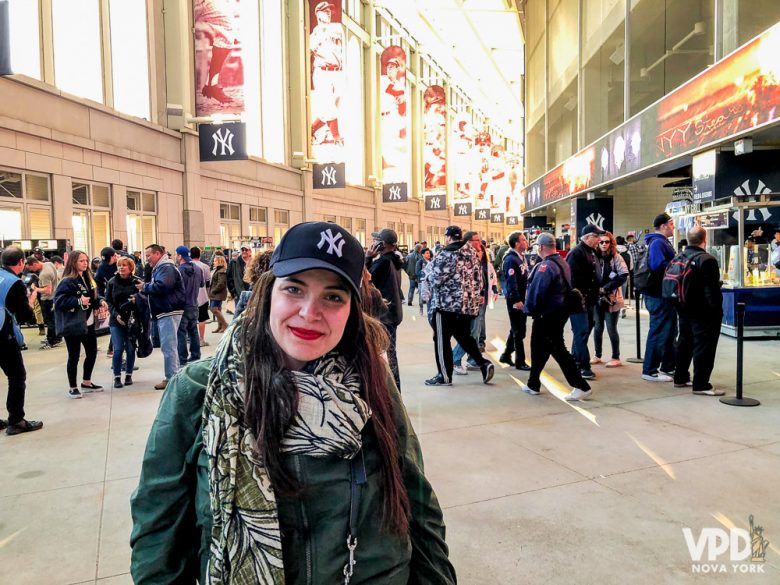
(477, 325)
(581, 326)
(169, 328)
(602, 316)
(412, 288)
(122, 345)
(659, 350)
(188, 328)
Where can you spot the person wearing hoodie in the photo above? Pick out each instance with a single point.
(193, 279)
(385, 265)
(454, 279)
(166, 301)
(659, 360)
(105, 272)
(120, 296)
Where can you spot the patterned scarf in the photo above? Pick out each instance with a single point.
(246, 547)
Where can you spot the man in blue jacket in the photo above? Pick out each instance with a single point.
(166, 300)
(193, 280)
(545, 302)
(659, 351)
(515, 271)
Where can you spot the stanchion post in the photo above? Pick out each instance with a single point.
(738, 400)
(638, 359)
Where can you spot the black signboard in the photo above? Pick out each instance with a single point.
(220, 142)
(747, 176)
(436, 202)
(512, 220)
(714, 221)
(496, 218)
(535, 221)
(463, 209)
(395, 192)
(329, 176)
(598, 211)
(482, 214)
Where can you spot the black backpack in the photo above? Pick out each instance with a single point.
(642, 273)
(676, 284)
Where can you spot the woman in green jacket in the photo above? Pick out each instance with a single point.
(289, 457)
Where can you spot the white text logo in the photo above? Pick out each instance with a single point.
(746, 549)
(225, 141)
(329, 176)
(395, 193)
(335, 243)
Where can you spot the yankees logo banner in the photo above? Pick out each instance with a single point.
(434, 145)
(512, 220)
(329, 176)
(462, 209)
(598, 212)
(482, 214)
(326, 57)
(395, 143)
(436, 202)
(222, 141)
(219, 69)
(496, 218)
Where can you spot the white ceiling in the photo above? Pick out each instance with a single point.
(479, 44)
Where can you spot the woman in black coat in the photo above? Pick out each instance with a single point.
(75, 302)
(120, 296)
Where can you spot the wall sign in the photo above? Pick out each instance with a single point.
(436, 202)
(329, 176)
(220, 142)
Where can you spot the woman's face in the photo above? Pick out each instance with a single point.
(82, 263)
(309, 312)
(124, 270)
(427, 255)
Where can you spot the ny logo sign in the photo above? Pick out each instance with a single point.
(463, 209)
(435, 202)
(597, 220)
(482, 214)
(329, 176)
(225, 141)
(395, 193)
(335, 243)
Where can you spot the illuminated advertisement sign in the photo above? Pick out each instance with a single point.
(704, 166)
(219, 69)
(434, 145)
(393, 98)
(737, 94)
(326, 57)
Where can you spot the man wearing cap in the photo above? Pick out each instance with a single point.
(515, 270)
(545, 302)
(166, 301)
(193, 279)
(385, 267)
(585, 277)
(454, 279)
(659, 360)
(235, 281)
(326, 43)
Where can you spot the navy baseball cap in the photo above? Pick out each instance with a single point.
(184, 252)
(320, 245)
(454, 231)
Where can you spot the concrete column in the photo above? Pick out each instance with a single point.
(179, 60)
(62, 207)
(194, 229)
(119, 212)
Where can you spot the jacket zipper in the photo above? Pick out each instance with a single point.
(305, 521)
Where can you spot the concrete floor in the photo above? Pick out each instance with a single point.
(534, 489)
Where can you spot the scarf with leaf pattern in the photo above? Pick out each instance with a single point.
(246, 546)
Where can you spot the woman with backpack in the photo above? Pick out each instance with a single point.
(75, 303)
(120, 296)
(607, 311)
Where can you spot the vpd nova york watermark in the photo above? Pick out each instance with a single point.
(737, 550)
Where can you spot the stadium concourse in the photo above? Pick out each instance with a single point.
(534, 489)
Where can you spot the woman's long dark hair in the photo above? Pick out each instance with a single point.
(72, 270)
(271, 396)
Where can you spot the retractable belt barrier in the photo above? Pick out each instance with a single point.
(738, 400)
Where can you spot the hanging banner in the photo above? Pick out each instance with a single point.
(326, 56)
(598, 212)
(498, 189)
(512, 220)
(465, 166)
(219, 142)
(482, 153)
(329, 176)
(219, 69)
(436, 202)
(393, 96)
(434, 132)
(496, 217)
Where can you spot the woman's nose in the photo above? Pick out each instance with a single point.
(310, 309)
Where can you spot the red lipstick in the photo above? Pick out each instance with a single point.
(306, 334)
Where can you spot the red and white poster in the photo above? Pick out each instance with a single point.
(393, 100)
(483, 204)
(219, 69)
(465, 165)
(326, 53)
(434, 146)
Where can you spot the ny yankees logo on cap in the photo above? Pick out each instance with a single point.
(335, 243)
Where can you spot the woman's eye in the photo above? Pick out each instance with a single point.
(294, 290)
(336, 299)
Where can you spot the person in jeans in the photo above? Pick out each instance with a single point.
(410, 267)
(659, 359)
(166, 301)
(218, 291)
(193, 279)
(515, 270)
(607, 311)
(120, 296)
(422, 262)
(75, 302)
(48, 280)
(203, 295)
(585, 277)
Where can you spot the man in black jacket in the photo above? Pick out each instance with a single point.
(384, 265)
(236, 270)
(585, 277)
(700, 318)
(16, 307)
(515, 278)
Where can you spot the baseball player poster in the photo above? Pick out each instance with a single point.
(464, 165)
(326, 53)
(434, 132)
(481, 151)
(393, 100)
(219, 69)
